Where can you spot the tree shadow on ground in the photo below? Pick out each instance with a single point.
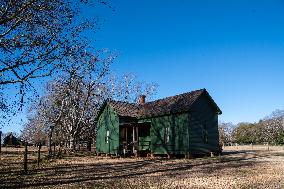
(94, 173)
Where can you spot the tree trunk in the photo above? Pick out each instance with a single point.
(72, 143)
(89, 145)
(59, 153)
(50, 142)
(54, 148)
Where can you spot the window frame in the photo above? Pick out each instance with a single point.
(107, 137)
(204, 132)
(167, 135)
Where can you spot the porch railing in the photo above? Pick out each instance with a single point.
(138, 146)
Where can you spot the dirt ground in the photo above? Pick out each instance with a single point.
(238, 167)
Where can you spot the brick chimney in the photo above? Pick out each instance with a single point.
(142, 99)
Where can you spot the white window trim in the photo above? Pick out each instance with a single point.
(107, 136)
(167, 135)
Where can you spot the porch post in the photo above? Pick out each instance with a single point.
(137, 136)
(137, 141)
(133, 138)
(126, 134)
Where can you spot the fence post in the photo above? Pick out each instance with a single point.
(26, 158)
(38, 155)
(54, 148)
(0, 140)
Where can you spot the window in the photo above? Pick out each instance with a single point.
(123, 133)
(107, 137)
(144, 130)
(204, 133)
(167, 135)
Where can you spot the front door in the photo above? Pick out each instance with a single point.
(129, 139)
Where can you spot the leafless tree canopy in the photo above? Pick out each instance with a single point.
(73, 100)
(225, 132)
(37, 37)
(128, 88)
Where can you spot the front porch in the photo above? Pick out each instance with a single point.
(134, 139)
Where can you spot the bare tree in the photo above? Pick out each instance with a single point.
(272, 127)
(71, 101)
(37, 37)
(128, 88)
(226, 133)
(34, 131)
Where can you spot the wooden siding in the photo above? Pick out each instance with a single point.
(177, 140)
(108, 121)
(204, 136)
(194, 132)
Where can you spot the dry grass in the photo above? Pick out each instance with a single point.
(239, 167)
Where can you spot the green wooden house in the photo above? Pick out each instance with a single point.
(184, 124)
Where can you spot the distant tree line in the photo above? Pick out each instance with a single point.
(269, 130)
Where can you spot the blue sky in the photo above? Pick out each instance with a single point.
(233, 48)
